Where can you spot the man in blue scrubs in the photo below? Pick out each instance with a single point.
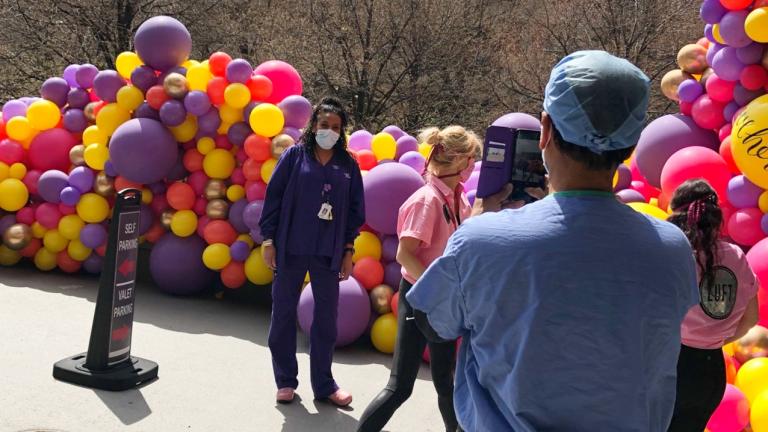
(570, 307)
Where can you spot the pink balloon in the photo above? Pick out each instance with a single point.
(757, 257)
(50, 150)
(285, 79)
(693, 163)
(744, 226)
(48, 215)
(708, 113)
(720, 90)
(732, 415)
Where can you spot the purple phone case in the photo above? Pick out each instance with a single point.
(498, 159)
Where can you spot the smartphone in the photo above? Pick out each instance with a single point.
(511, 156)
(527, 165)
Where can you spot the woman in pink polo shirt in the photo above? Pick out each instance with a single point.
(425, 222)
(727, 309)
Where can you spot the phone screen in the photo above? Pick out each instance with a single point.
(528, 169)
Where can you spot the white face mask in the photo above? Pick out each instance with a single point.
(326, 138)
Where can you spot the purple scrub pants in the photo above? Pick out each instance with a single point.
(286, 289)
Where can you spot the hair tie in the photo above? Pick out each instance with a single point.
(435, 149)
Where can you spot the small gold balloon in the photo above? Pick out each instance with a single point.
(215, 189)
(175, 85)
(381, 299)
(705, 76)
(751, 345)
(280, 143)
(103, 185)
(692, 58)
(76, 155)
(165, 219)
(671, 81)
(17, 236)
(217, 209)
(89, 112)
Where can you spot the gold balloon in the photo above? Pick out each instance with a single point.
(751, 345)
(175, 85)
(280, 143)
(217, 209)
(17, 236)
(165, 219)
(381, 299)
(671, 82)
(215, 189)
(103, 185)
(89, 112)
(76, 155)
(692, 58)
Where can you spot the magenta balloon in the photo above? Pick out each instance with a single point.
(285, 79)
(750, 54)
(297, 111)
(239, 71)
(50, 185)
(360, 140)
(172, 113)
(395, 131)
(238, 132)
(732, 29)
(55, 90)
(393, 275)
(85, 75)
(143, 77)
(742, 193)
(93, 235)
(78, 98)
(176, 266)
(414, 160)
(70, 75)
(386, 188)
(197, 102)
(664, 137)
(630, 195)
(74, 120)
(143, 150)
(236, 216)
(353, 313)
(745, 226)
(81, 178)
(518, 121)
(708, 113)
(50, 150)
(389, 248)
(162, 42)
(106, 84)
(405, 144)
(726, 64)
(14, 108)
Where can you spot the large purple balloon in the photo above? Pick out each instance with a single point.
(297, 111)
(712, 11)
(106, 84)
(252, 214)
(386, 188)
(143, 150)
(50, 185)
(55, 90)
(78, 98)
(395, 131)
(742, 193)
(172, 113)
(74, 120)
(726, 64)
(353, 313)
(143, 77)
(393, 274)
(360, 140)
(236, 216)
(197, 102)
(85, 75)
(663, 138)
(81, 178)
(70, 74)
(239, 71)
(162, 42)
(732, 29)
(93, 235)
(177, 267)
(14, 108)
(518, 121)
(405, 144)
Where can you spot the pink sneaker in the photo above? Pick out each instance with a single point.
(341, 398)
(285, 395)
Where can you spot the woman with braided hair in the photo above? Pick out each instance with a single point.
(727, 309)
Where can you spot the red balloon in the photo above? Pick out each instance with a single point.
(218, 62)
(395, 302)
(202, 222)
(725, 131)
(66, 263)
(686, 108)
(693, 163)
(31, 249)
(26, 216)
(50, 150)
(216, 88)
(3, 134)
(728, 210)
(193, 160)
(155, 232)
(252, 170)
(241, 156)
(11, 152)
(222, 142)
(727, 155)
(744, 226)
(180, 196)
(736, 4)
(123, 183)
(48, 215)
(369, 272)
(754, 77)
(366, 159)
(260, 87)
(219, 231)
(233, 275)
(258, 148)
(156, 97)
(200, 205)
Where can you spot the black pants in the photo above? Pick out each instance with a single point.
(405, 367)
(700, 388)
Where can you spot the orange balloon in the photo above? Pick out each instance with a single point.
(730, 369)
(366, 159)
(193, 160)
(216, 88)
(123, 183)
(369, 272)
(156, 97)
(155, 232)
(252, 170)
(233, 275)
(219, 231)
(260, 87)
(218, 62)
(66, 263)
(181, 196)
(258, 148)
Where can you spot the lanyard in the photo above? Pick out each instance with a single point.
(450, 217)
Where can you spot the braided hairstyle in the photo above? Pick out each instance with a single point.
(326, 105)
(696, 211)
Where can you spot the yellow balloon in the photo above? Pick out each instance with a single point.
(267, 120)
(367, 245)
(384, 146)
(146, 196)
(38, 230)
(246, 238)
(129, 98)
(758, 413)
(13, 194)
(43, 114)
(256, 269)
(18, 128)
(54, 241)
(763, 202)
(110, 117)
(223, 128)
(8, 256)
(230, 114)
(752, 378)
(424, 149)
(728, 349)
(716, 34)
(185, 131)
(267, 168)
(78, 251)
(219, 164)
(649, 210)
(45, 260)
(237, 95)
(205, 145)
(5, 171)
(384, 333)
(92, 208)
(17, 171)
(216, 256)
(126, 62)
(235, 193)
(184, 223)
(96, 156)
(749, 144)
(70, 226)
(93, 135)
(198, 77)
(756, 25)
(189, 63)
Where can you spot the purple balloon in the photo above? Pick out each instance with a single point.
(297, 111)
(239, 251)
(414, 160)
(518, 121)
(742, 193)
(471, 195)
(730, 110)
(55, 90)
(405, 144)
(727, 65)
(709, 34)
(386, 188)
(352, 315)
(6, 222)
(50, 185)
(85, 75)
(236, 216)
(93, 235)
(197, 102)
(93, 264)
(178, 69)
(238, 132)
(143, 150)
(106, 84)
(146, 218)
(109, 169)
(742, 96)
(360, 140)
(712, 51)
(389, 248)
(471, 183)
(78, 98)
(146, 111)
(14, 108)
(172, 113)
(248, 108)
(395, 131)
(158, 188)
(81, 178)
(239, 71)
(625, 178)
(750, 54)
(292, 132)
(712, 11)
(69, 196)
(630, 195)
(252, 214)
(732, 29)
(143, 77)
(764, 223)
(162, 42)
(178, 171)
(210, 121)
(393, 274)
(74, 120)
(176, 266)
(70, 75)
(664, 137)
(256, 236)
(690, 90)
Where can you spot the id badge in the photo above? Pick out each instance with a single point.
(326, 212)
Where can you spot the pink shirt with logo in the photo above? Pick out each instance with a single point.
(424, 217)
(708, 324)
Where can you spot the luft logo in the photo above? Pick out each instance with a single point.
(718, 300)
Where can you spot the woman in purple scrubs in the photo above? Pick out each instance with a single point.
(312, 214)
